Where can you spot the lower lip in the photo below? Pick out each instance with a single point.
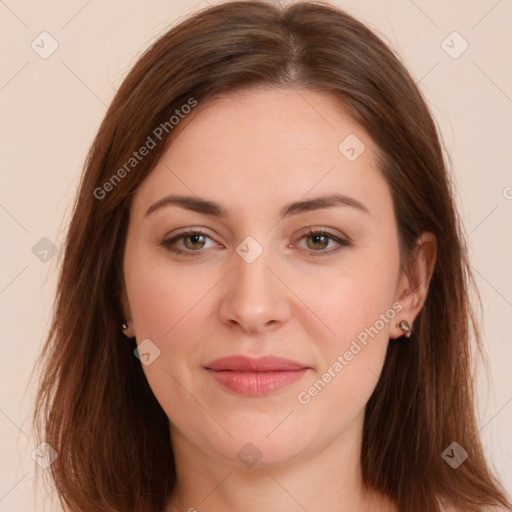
(256, 383)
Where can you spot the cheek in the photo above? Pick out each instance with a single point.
(172, 307)
(351, 360)
(162, 297)
(360, 315)
(357, 298)
(168, 307)
(359, 308)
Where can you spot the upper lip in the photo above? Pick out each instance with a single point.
(254, 364)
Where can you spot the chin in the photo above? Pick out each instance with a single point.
(262, 442)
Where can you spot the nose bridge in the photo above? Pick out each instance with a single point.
(255, 298)
(252, 278)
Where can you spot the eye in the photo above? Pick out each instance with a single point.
(191, 241)
(318, 239)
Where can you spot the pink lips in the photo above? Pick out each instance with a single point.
(255, 376)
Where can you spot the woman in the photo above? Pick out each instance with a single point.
(263, 303)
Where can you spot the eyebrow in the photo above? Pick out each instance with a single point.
(207, 207)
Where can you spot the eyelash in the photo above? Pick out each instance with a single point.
(312, 232)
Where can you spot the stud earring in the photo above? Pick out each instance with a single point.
(404, 325)
(124, 326)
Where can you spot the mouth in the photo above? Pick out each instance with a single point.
(255, 376)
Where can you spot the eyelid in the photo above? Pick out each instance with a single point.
(319, 230)
(190, 230)
(167, 243)
(341, 240)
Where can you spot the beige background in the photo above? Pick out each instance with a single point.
(51, 109)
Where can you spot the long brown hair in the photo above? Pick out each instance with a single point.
(94, 405)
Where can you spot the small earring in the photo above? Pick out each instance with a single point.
(124, 326)
(404, 325)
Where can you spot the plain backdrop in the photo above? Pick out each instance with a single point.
(52, 105)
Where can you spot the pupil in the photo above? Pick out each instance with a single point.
(319, 239)
(194, 239)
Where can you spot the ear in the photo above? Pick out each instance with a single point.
(129, 332)
(412, 289)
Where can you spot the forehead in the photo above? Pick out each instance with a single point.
(290, 123)
(255, 146)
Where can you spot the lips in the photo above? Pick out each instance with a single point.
(250, 364)
(255, 376)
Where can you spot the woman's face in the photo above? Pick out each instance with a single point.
(254, 282)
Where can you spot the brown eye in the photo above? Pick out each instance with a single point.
(189, 243)
(194, 241)
(317, 242)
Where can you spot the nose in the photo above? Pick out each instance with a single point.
(254, 299)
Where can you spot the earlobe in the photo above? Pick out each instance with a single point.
(128, 330)
(413, 285)
(127, 325)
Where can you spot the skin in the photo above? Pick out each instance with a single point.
(253, 152)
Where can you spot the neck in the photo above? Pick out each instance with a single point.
(329, 480)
